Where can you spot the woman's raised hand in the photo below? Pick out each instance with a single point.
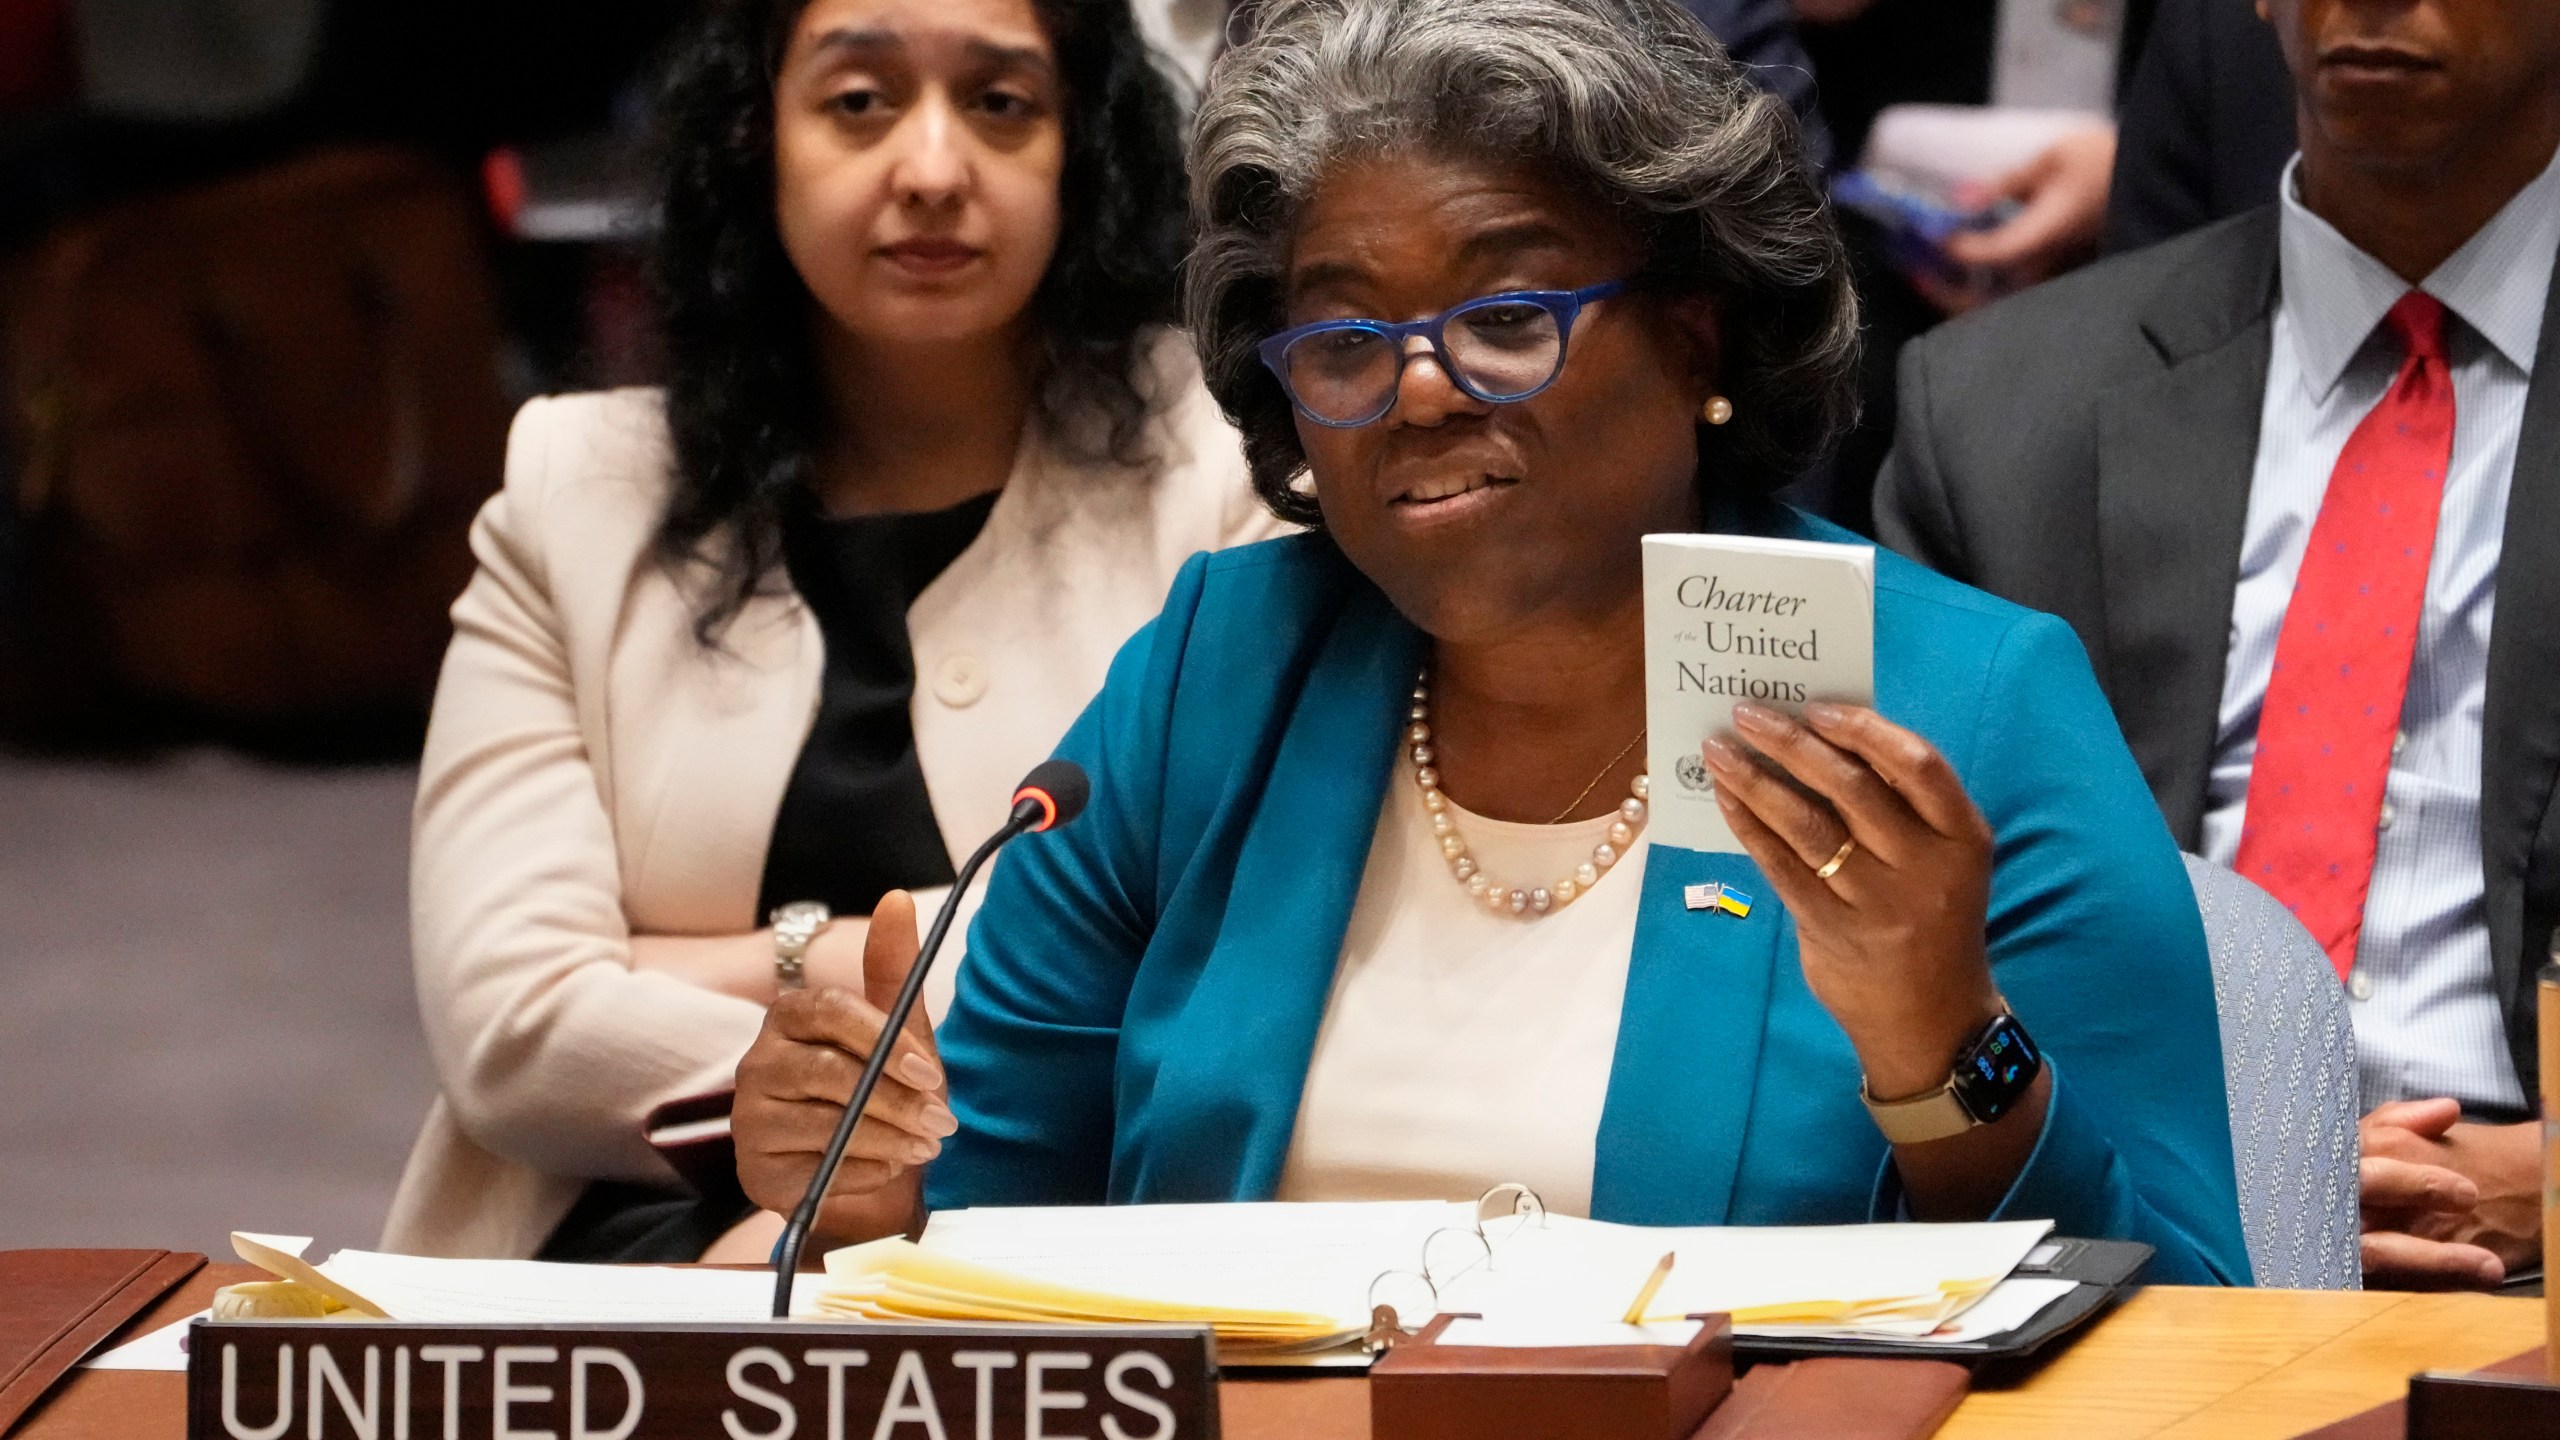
(797, 1077)
(1893, 938)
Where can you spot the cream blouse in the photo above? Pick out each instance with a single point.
(1462, 1049)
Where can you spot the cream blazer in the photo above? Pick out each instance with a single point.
(591, 773)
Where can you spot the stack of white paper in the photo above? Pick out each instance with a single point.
(1901, 1281)
(1272, 1279)
(1879, 1281)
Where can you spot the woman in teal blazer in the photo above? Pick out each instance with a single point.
(1387, 316)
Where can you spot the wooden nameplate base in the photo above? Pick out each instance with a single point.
(759, 1380)
(2445, 1406)
(1423, 1390)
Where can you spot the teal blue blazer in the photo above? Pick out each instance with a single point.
(1143, 987)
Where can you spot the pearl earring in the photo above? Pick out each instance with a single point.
(1716, 411)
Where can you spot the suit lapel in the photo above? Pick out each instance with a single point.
(1309, 846)
(2176, 453)
(1685, 1075)
(2520, 739)
(1688, 1059)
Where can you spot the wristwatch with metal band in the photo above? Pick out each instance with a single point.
(1991, 1075)
(794, 926)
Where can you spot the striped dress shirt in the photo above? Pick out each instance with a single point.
(2426, 1009)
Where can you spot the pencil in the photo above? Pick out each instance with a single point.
(1652, 1287)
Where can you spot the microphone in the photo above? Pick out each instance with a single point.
(1050, 796)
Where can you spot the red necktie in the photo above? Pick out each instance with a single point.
(2342, 659)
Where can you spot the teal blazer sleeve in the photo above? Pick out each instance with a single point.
(2097, 944)
(1143, 988)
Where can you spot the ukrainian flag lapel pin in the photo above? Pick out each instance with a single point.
(1715, 895)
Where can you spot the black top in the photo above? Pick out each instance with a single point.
(1936, 52)
(856, 822)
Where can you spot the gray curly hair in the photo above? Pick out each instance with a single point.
(1630, 100)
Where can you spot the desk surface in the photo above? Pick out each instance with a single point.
(2185, 1363)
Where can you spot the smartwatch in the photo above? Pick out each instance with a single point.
(1991, 1075)
(794, 926)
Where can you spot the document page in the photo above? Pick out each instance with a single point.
(1837, 1277)
(423, 1289)
(1318, 1258)
(417, 1288)
(1873, 1279)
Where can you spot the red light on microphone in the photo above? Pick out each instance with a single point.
(1052, 794)
(1047, 802)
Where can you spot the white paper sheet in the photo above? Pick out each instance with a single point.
(417, 1288)
(1318, 1258)
(1571, 1267)
(2010, 1305)
(423, 1289)
(1572, 1272)
(161, 1349)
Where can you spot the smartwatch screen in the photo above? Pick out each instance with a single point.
(1994, 1075)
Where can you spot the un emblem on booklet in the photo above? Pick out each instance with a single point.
(1691, 771)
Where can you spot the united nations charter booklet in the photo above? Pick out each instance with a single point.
(1729, 618)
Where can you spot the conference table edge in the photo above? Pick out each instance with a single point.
(137, 1405)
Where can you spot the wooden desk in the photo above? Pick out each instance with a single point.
(2184, 1363)
(2241, 1364)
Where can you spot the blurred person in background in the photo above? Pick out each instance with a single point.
(177, 92)
(37, 83)
(1760, 36)
(255, 357)
(1989, 107)
(747, 653)
(2207, 124)
(2289, 476)
(2049, 56)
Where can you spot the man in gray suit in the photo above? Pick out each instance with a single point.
(2279, 473)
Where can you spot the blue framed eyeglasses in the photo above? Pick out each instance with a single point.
(1497, 348)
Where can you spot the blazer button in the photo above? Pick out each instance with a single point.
(959, 680)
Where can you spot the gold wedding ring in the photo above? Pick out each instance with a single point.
(1838, 858)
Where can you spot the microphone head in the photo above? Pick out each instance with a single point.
(1058, 788)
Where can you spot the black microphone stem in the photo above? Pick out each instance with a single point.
(796, 1234)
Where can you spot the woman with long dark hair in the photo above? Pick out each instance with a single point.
(747, 654)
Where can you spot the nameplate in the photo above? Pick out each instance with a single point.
(773, 1380)
(2462, 1407)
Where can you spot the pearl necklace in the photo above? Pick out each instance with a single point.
(1525, 902)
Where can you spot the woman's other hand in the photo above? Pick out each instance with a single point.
(1893, 941)
(797, 1077)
